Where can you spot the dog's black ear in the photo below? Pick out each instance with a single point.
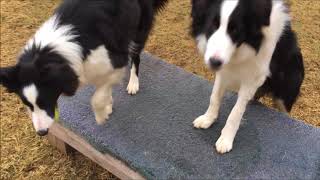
(9, 78)
(199, 15)
(256, 15)
(61, 76)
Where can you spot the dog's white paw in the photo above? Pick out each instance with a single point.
(133, 85)
(109, 109)
(101, 119)
(102, 116)
(203, 122)
(224, 144)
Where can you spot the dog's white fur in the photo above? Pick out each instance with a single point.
(243, 70)
(40, 119)
(60, 38)
(220, 44)
(133, 85)
(202, 44)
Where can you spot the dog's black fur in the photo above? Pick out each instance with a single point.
(287, 71)
(286, 67)
(114, 23)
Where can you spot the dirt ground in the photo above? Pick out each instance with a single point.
(27, 156)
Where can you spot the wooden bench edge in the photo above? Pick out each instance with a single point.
(113, 165)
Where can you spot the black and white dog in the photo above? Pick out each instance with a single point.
(252, 48)
(84, 42)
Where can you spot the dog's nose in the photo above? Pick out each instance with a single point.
(42, 132)
(215, 63)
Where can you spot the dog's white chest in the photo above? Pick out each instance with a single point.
(247, 72)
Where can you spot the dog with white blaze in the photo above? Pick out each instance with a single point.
(253, 50)
(84, 42)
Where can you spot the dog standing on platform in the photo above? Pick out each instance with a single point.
(84, 42)
(252, 48)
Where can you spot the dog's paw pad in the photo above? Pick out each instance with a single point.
(203, 122)
(223, 145)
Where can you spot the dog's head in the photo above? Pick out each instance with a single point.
(228, 24)
(39, 78)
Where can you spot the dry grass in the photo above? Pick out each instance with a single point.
(27, 156)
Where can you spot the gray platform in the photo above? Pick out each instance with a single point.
(152, 131)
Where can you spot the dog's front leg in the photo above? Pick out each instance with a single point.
(206, 120)
(101, 102)
(225, 142)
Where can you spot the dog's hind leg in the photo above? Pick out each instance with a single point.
(287, 90)
(137, 44)
(287, 75)
(206, 120)
(279, 104)
(134, 52)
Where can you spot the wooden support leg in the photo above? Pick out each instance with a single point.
(60, 144)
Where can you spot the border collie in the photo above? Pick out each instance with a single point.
(84, 42)
(253, 50)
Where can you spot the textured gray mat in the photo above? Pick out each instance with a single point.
(152, 132)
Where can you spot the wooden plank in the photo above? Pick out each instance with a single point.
(106, 161)
(59, 144)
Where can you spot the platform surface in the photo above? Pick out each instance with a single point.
(152, 131)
